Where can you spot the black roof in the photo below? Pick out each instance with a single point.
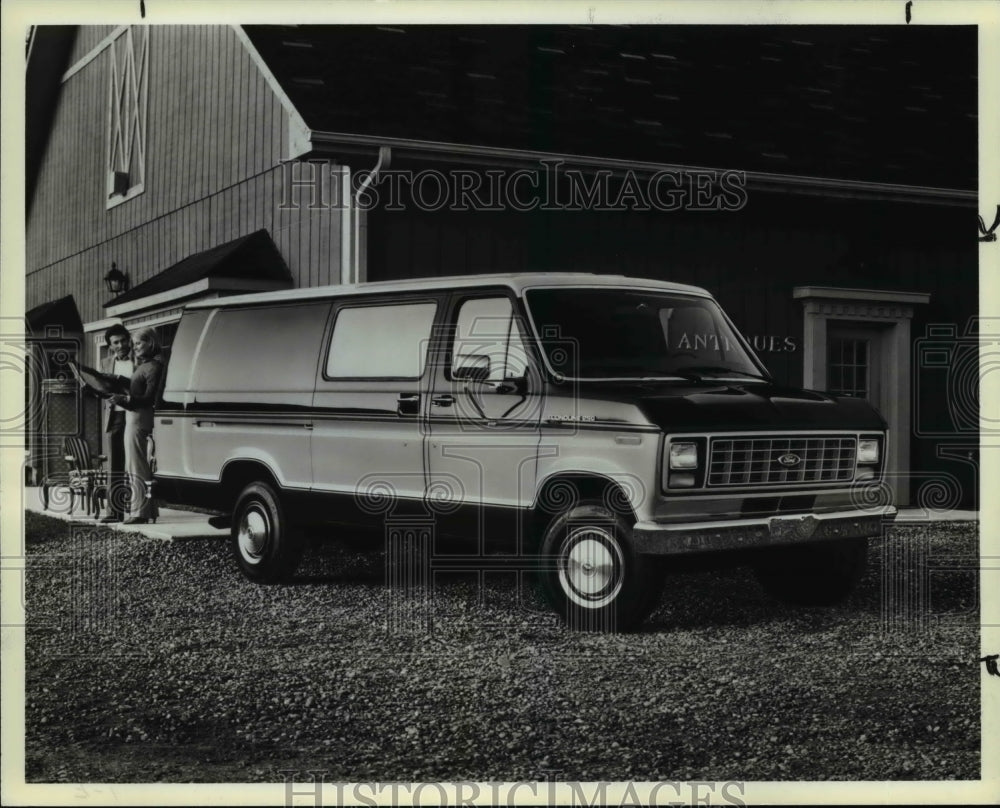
(253, 256)
(61, 313)
(48, 53)
(895, 104)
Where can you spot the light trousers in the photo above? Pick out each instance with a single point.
(137, 465)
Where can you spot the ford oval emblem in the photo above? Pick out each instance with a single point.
(789, 460)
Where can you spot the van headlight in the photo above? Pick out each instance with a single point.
(683, 455)
(867, 451)
(685, 462)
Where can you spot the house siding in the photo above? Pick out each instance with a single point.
(751, 260)
(215, 137)
(87, 38)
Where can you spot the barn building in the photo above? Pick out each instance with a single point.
(821, 182)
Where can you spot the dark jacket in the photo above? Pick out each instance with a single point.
(108, 366)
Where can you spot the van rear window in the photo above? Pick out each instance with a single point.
(259, 349)
(372, 342)
(182, 350)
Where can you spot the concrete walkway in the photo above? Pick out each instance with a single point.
(173, 524)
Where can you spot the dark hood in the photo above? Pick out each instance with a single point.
(733, 407)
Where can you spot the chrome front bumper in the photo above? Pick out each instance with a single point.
(658, 538)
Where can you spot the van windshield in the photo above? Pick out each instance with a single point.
(627, 333)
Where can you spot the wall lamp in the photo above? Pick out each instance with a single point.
(116, 280)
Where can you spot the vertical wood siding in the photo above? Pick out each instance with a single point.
(750, 260)
(215, 136)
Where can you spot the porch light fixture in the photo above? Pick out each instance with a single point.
(116, 280)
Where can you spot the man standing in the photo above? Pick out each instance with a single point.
(119, 363)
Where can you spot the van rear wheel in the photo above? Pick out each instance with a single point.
(591, 574)
(266, 548)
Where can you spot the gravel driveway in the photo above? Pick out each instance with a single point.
(157, 662)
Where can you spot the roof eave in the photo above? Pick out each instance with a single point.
(325, 143)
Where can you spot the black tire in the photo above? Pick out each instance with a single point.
(821, 574)
(266, 547)
(590, 573)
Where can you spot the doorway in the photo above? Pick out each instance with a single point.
(856, 342)
(855, 362)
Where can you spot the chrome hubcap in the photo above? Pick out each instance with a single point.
(254, 535)
(591, 567)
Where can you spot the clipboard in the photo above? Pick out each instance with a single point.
(104, 384)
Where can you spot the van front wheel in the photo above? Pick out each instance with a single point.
(591, 574)
(267, 549)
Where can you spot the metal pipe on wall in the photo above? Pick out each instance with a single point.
(355, 212)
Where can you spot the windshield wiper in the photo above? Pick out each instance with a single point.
(717, 370)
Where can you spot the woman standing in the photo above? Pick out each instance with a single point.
(143, 392)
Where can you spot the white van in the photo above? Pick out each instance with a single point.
(597, 424)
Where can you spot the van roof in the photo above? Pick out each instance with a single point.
(516, 281)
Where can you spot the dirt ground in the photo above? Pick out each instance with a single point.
(149, 661)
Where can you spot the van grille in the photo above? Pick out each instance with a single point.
(755, 461)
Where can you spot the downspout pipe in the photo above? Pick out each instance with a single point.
(346, 204)
(384, 160)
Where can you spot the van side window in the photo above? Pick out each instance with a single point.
(279, 343)
(178, 375)
(374, 342)
(487, 336)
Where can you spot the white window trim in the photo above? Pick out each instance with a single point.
(171, 316)
(97, 328)
(94, 52)
(120, 137)
(101, 325)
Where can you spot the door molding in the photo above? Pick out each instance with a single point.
(894, 311)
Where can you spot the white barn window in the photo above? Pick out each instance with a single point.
(128, 82)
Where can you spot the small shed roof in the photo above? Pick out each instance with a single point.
(253, 258)
(61, 313)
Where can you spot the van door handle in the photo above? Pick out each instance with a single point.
(443, 401)
(509, 386)
(408, 404)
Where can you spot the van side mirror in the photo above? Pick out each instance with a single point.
(471, 367)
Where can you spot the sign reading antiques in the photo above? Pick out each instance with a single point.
(760, 343)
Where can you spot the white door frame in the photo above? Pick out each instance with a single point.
(894, 311)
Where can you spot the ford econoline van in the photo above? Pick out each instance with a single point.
(598, 424)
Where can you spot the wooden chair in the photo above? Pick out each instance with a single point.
(87, 476)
